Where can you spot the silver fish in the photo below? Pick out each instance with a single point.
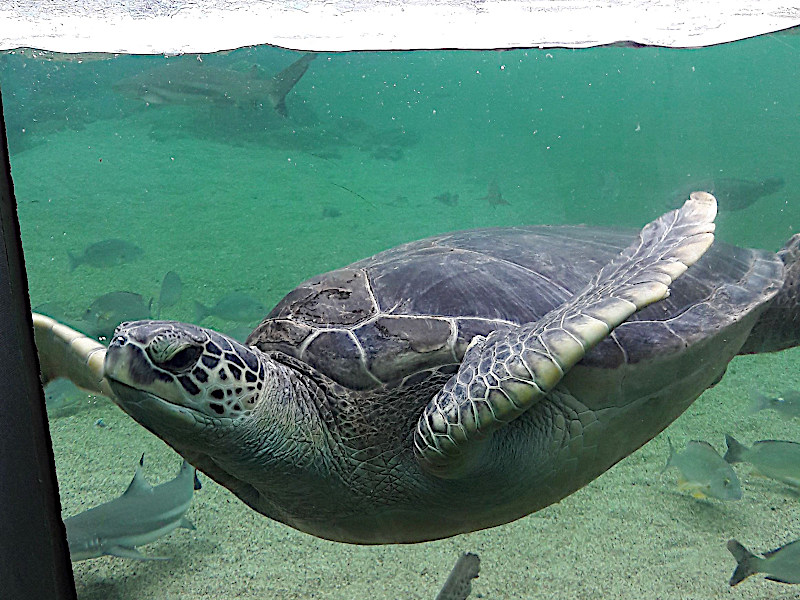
(236, 306)
(703, 472)
(141, 515)
(787, 403)
(185, 80)
(781, 565)
(171, 288)
(771, 458)
(107, 253)
(459, 583)
(109, 310)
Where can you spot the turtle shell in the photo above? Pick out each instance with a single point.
(391, 318)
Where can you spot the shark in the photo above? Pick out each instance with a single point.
(141, 515)
(182, 81)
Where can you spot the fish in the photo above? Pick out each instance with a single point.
(459, 583)
(109, 310)
(57, 310)
(141, 515)
(64, 398)
(235, 306)
(494, 196)
(188, 81)
(775, 459)
(781, 565)
(703, 472)
(787, 403)
(731, 193)
(386, 152)
(447, 198)
(104, 254)
(331, 212)
(171, 288)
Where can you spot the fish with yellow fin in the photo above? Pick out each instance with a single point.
(703, 472)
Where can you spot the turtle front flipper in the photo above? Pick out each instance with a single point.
(64, 352)
(504, 374)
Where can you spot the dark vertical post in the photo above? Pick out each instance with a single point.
(34, 558)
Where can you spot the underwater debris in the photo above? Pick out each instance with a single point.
(459, 583)
(327, 154)
(781, 565)
(778, 460)
(703, 472)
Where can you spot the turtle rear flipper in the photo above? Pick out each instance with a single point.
(507, 372)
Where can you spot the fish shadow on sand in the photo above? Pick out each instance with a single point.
(447, 198)
(494, 196)
(707, 515)
(758, 484)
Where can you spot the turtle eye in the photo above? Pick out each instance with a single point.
(173, 357)
(183, 359)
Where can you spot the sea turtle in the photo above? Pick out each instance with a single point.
(449, 384)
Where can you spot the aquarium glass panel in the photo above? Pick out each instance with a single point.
(205, 189)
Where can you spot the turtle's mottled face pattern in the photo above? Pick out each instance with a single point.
(187, 366)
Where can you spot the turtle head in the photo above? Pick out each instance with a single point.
(219, 403)
(187, 367)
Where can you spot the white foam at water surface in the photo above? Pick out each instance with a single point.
(189, 26)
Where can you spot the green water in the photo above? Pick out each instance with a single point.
(238, 199)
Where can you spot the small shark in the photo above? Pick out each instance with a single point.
(183, 81)
(141, 515)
